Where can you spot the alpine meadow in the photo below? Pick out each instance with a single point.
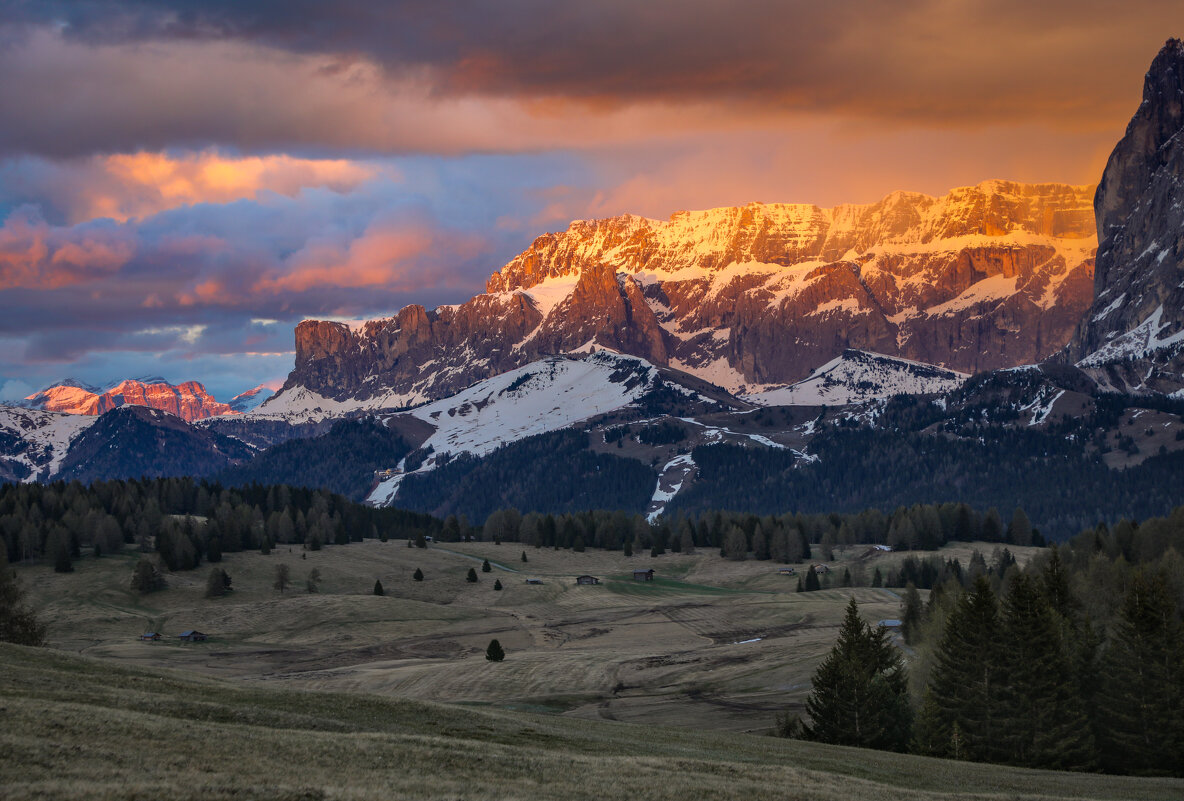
(686, 400)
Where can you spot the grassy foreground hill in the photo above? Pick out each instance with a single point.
(78, 728)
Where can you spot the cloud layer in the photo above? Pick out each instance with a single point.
(181, 182)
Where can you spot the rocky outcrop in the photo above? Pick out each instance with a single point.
(748, 297)
(1137, 313)
(189, 400)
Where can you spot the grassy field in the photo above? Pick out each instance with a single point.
(710, 643)
(80, 728)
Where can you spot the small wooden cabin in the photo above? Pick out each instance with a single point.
(192, 635)
(534, 581)
(643, 575)
(150, 636)
(587, 580)
(786, 571)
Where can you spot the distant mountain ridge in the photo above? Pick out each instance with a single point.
(188, 400)
(750, 298)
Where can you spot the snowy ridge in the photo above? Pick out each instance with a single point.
(44, 437)
(543, 396)
(858, 376)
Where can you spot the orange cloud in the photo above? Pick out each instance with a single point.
(123, 186)
(399, 256)
(34, 256)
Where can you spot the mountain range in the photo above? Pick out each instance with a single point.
(1004, 342)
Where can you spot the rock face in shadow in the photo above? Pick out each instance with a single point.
(987, 276)
(1135, 326)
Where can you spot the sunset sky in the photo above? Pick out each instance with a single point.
(182, 182)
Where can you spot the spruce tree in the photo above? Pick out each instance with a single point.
(18, 624)
(812, 580)
(1142, 702)
(485, 568)
(378, 587)
(417, 575)
(147, 577)
(911, 614)
(494, 652)
(524, 559)
(497, 584)
(968, 676)
(1044, 721)
(472, 576)
(860, 691)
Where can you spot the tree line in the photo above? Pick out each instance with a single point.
(184, 520)
(1073, 662)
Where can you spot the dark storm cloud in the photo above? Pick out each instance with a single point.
(931, 62)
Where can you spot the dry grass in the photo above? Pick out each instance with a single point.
(75, 728)
(672, 652)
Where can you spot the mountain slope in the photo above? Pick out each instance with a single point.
(1133, 334)
(33, 443)
(133, 441)
(988, 276)
(856, 376)
(188, 400)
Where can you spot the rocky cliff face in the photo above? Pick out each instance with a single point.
(1138, 308)
(988, 276)
(189, 400)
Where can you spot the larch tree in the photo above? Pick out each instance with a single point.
(18, 623)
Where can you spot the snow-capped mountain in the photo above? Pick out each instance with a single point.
(543, 396)
(857, 376)
(33, 442)
(188, 400)
(749, 297)
(1132, 337)
(251, 399)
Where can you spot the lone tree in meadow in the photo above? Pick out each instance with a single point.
(18, 624)
(497, 584)
(417, 575)
(147, 577)
(524, 559)
(494, 652)
(860, 694)
(378, 587)
(283, 577)
(485, 568)
(314, 580)
(218, 583)
(472, 577)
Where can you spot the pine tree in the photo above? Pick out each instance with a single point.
(911, 614)
(1044, 722)
(931, 735)
(417, 575)
(812, 583)
(860, 691)
(1142, 702)
(18, 624)
(877, 578)
(472, 576)
(313, 584)
(378, 587)
(485, 567)
(497, 584)
(147, 577)
(494, 652)
(967, 678)
(58, 550)
(524, 559)
(218, 583)
(800, 587)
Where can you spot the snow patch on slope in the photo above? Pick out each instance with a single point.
(1141, 341)
(47, 437)
(543, 396)
(858, 376)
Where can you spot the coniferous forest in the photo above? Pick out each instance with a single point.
(1075, 662)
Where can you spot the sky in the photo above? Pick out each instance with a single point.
(182, 182)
